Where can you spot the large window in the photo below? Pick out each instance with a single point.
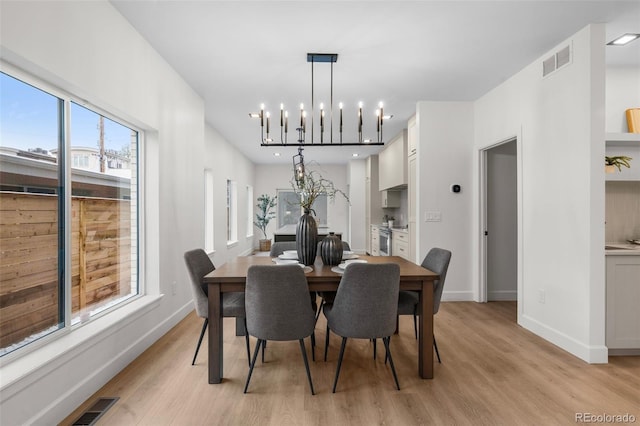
(68, 196)
(289, 210)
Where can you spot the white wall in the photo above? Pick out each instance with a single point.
(502, 222)
(357, 210)
(269, 178)
(622, 93)
(445, 144)
(91, 51)
(227, 163)
(559, 121)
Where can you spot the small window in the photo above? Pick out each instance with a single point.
(232, 212)
(249, 211)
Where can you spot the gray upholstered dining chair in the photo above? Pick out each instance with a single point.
(199, 264)
(437, 260)
(280, 247)
(365, 307)
(328, 296)
(276, 299)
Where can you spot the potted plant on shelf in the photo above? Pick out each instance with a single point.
(265, 205)
(309, 186)
(611, 163)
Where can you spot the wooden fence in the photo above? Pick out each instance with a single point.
(29, 259)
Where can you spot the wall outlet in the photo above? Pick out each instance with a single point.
(174, 288)
(541, 296)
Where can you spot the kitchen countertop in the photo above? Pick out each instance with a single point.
(405, 230)
(622, 249)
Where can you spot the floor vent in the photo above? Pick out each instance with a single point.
(91, 416)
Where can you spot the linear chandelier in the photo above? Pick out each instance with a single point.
(266, 138)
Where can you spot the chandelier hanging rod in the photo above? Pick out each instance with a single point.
(330, 58)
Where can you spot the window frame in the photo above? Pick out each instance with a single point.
(232, 212)
(249, 211)
(65, 165)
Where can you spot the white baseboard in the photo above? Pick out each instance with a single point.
(502, 295)
(591, 354)
(457, 296)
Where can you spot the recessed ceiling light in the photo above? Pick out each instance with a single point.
(623, 39)
(355, 154)
(276, 154)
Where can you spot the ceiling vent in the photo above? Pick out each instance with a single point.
(556, 61)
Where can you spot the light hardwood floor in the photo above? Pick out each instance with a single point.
(493, 372)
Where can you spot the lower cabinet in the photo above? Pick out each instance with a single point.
(623, 304)
(375, 241)
(400, 245)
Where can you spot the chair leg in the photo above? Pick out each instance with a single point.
(204, 328)
(415, 322)
(435, 345)
(319, 310)
(253, 363)
(326, 343)
(335, 381)
(306, 365)
(313, 346)
(386, 355)
(264, 345)
(374, 348)
(246, 340)
(393, 369)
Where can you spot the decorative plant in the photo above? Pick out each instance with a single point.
(265, 205)
(618, 161)
(311, 186)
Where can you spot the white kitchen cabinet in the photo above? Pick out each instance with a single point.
(412, 136)
(390, 199)
(400, 244)
(628, 144)
(392, 163)
(412, 206)
(375, 240)
(623, 300)
(373, 210)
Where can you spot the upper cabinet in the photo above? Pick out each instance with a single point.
(392, 163)
(412, 137)
(627, 144)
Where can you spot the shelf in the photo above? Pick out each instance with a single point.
(623, 139)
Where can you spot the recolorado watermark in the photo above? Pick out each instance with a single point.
(604, 418)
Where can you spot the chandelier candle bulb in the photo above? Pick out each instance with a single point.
(268, 119)
(281, 114)
(301, 115)
(286, 121)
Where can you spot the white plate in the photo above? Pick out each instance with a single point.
(337, 270)
(293, 256)
(349, 256)
(346, 263)
(290, 252)
(287, 262)
(347, 252)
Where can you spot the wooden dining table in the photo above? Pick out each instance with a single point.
(231, 277)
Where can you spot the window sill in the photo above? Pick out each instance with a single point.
(26, 368)
(231, 244)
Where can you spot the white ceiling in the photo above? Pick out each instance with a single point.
(238, 54)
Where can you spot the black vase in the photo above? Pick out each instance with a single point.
(307, 239)
(331, 250)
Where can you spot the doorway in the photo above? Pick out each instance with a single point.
(499, 202)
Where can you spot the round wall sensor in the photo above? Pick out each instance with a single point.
(456, 188)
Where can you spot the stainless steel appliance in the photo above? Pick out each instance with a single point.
(385, 241)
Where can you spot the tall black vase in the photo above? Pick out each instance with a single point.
(331, 250)
(307, 239)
